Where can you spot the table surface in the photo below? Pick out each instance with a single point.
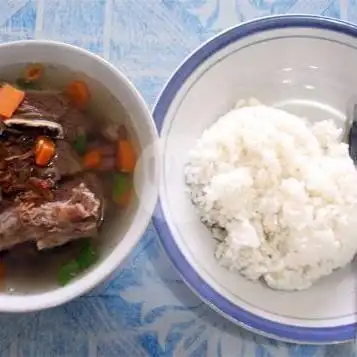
(145, 309)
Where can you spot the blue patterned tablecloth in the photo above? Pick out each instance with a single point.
(145, 309)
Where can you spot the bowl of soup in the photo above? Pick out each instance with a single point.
(78, 172)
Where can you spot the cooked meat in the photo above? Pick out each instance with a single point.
(16, 164)
(42, 187)
(43, 105)
(14, 145)
(5, 204)
(93, 183)
(51, 223)
(89, 179)
(61, 202)
(75, 123)
(51, 172)
(34, 196)
(18, 171)
(67, 160)
(54, 106)
(55, 223)
(10, 229)
(66, 163)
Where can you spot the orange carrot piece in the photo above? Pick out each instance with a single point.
(126, 156)
(33, 72)
(92, 159)
(10, 100)
(45, 150)
(78, 93)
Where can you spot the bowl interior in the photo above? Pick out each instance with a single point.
(112, 99)
(306, 71)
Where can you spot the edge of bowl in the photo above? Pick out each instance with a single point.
(241, 317)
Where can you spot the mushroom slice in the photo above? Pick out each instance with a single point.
(35, 127)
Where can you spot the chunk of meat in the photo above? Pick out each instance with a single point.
(18, 171)
(33, 196)
(75, 123)
(54, 223)
(16, 164)
(10, 229)
(67, 160)
(55, 106)
(43, 105)
(91, 181)
(66, 163)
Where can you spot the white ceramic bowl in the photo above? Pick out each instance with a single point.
(120, 235)
(306, 65)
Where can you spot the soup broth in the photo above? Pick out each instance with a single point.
(67, 156)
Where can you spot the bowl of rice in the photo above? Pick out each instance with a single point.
(258, 192)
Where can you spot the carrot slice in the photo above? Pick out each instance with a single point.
(126, 156)
(33, 72)
(92, 159)
(45, 150)
(78, 93)
(10, 100)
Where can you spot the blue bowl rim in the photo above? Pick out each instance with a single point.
(325, 335)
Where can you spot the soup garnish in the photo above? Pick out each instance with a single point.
(85, 259)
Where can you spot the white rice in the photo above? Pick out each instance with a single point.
(283, 191)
